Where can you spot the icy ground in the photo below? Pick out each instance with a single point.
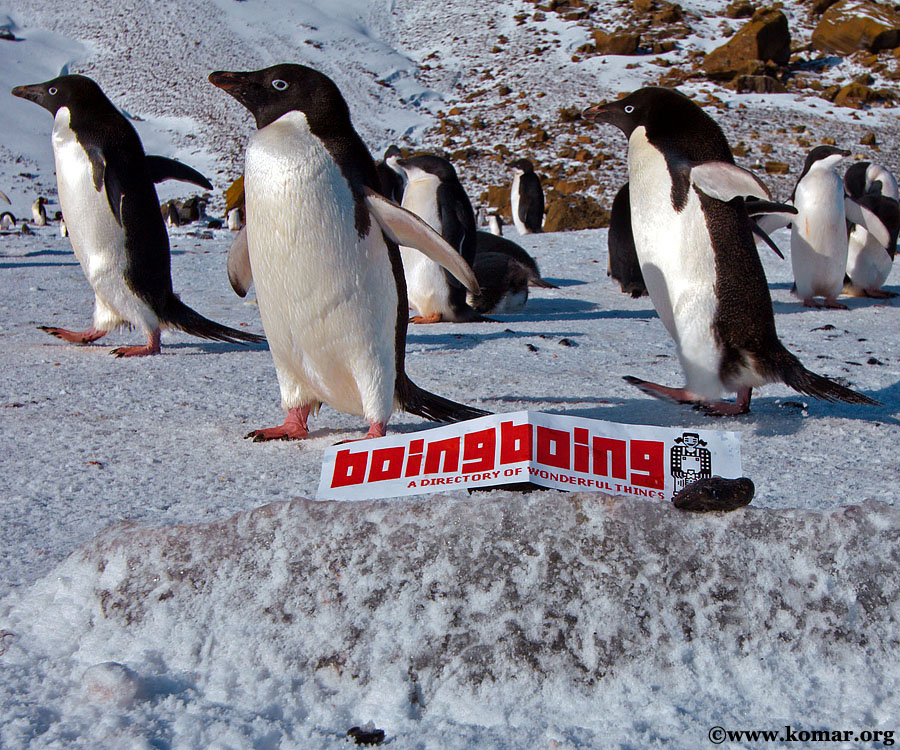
(491, 620)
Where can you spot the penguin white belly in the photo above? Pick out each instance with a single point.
(96, 237)
(868, 263)
(327, 296)
(819, 235)
(426, 284)
(514, 200)
(677, 261)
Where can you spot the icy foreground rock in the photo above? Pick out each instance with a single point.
(540, 611)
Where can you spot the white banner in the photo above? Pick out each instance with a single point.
(551, 450)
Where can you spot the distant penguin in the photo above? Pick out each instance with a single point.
(495, 224)
(105, 185)
(819, 231)
(7, 220)
(623, 265)
(235, 219)
(698, 256)
(63, 229)
(38, 212)
(322, 251)
(171, 214)
(527, 198)
(433, 192)
(868, 261)
(391, 177)
(486, 242)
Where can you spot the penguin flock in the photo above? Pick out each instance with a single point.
(363, 244)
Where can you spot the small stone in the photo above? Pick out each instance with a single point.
(868, 140)
(715, 493)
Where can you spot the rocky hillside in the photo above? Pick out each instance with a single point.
(780, 79)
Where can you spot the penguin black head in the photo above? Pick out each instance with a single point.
(64, 91)
(391, 152)
(440, 168)
(522, 164)
(671, 120)
(273, 92)
(820, 153)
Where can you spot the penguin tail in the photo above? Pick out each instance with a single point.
(793, 373)
(420, 402)
(535, 280)
(179, 315)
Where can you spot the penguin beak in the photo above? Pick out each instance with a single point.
(33, 93)
(597, 112)
(226, 80)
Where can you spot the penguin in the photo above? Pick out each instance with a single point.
(7, 220)
(38, 212)
(527, 198)
(105, 183)
(487, 242)
(623, 266)
(63, 229)
(868, 261)
(503, 281)
(695, 244)
(495, 224)
(327, 271)
(391, 177)
(433, 192)
(235, 219)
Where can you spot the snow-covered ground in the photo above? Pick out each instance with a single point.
(140, 528)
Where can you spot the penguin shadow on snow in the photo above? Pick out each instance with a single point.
(793, 307)
(45, 264)
(555, 309)
(192, 348)
(466, 341)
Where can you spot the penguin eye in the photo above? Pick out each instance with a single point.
(279, 85)
(52, 91)
(629, 109)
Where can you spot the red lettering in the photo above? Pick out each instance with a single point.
(414, 463)
(647, 463)
(515, 442)
(479, 450)
(553, 447)
(608, 448)
(582, 452)
(387, 463)
(349, 468)
(448, 450)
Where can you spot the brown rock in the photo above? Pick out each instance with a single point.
(868, 140)
(715, 493)
(855, 95)
(668, 13)
(777, 167)
(615, 44)
(497, 197)
(759, 85)
(820, 6)
(570, 212)
(851, 25)
(739, 9)
(764, 37)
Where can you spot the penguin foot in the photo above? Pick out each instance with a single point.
(810, 302)
(294, 427)
(833, 304)
(151, 347)
(879, 293)
(726, 408)
(662, 392)
(422, 320)
(74, 337)
(376, 430)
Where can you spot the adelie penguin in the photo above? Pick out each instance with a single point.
(694, 240)
(819, 241)
(433, 192)
(868, 261)
(322, 250)
(390, 176)
(38, 212)
(623, 266)
(106, 191)
(527, 198)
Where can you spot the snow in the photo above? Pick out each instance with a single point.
(165, 583)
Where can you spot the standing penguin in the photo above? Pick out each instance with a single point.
(433, 192)
(623, 265)
(527, 198)
(868, 261)
(322, 250)
(38, 212)
(694, 240)
(105, 185)
(390, 176)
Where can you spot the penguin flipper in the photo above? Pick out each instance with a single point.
(162, 168)
(239, 272)
(866, 218)
(405, 228)
(422, 403)
(759, 233)
(725, 182)
(4, 197)
(104, 176)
